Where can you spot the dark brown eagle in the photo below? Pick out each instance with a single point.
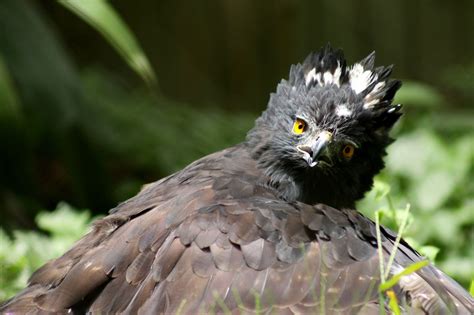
(266, 226)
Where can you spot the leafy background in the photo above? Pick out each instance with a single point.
(80, 130)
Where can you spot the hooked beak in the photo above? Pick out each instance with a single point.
(314, 151)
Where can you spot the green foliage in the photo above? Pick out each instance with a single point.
(435, 177)
(102, 16)
(160, 134)
(25, 251)
(431, 169)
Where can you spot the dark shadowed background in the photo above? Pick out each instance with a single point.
(78, 125)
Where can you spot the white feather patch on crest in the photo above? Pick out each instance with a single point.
(360, 79)
(343, 111)
(326, 78)
(310, 76)
(313, 76)
(318, 78)
(371, 103)
(370, 99)
(337, 75)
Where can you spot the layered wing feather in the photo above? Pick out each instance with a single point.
(211, 239)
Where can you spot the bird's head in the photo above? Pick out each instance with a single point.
(325, 131)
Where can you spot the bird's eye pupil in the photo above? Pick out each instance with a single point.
(299, 126)
(348, 151)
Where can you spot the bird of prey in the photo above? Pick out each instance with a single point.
(267, 226)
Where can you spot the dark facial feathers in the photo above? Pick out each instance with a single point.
(351, 103)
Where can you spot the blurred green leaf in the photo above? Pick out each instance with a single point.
(26, 251)
(381, 189)
(434, 169)
(429, 252)
(418, 94)
(152, 136)
(460, 78)
(64, 221)
(433, 172)
(101, 16)
(8, 94)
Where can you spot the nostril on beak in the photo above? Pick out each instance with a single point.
(307, 149)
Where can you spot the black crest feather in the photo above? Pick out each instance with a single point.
(329, 67)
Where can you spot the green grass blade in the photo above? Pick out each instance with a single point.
(181, 307)
(258, 304)
(221, 303)
(393, 302)
(397, 240)
(103, 18)
(379, 246)
(407, 271)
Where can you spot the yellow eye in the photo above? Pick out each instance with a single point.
(299, 126)
(348, 151)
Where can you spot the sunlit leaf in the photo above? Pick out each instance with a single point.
(101, 16)
(64, 221)
(429, 252)
(28, 250)
(381, 189)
